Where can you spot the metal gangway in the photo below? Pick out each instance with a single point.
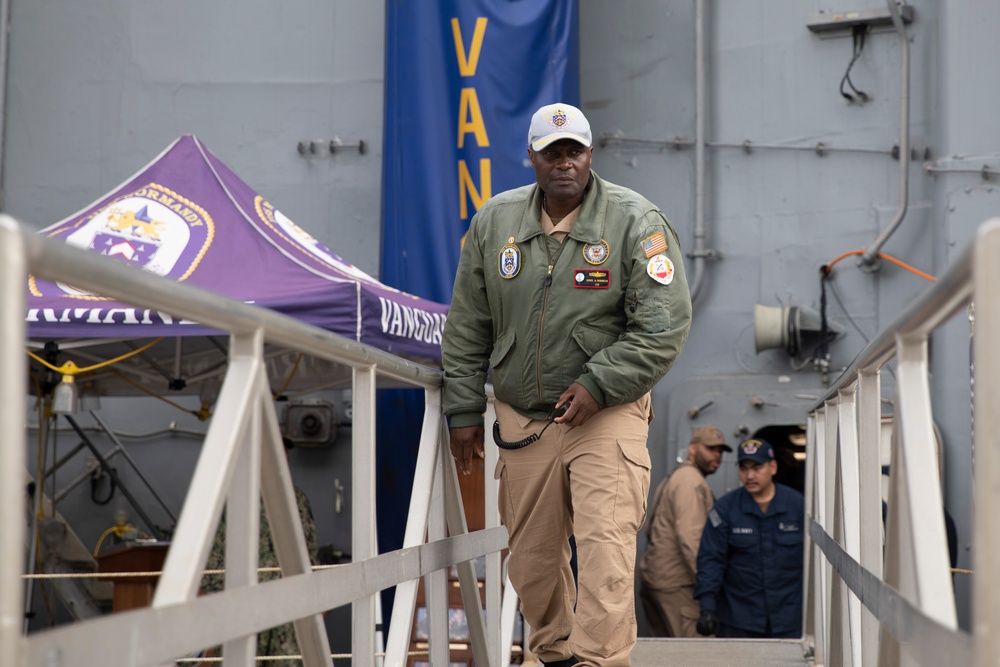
(883, 595)
(868, 601)
(242, 461)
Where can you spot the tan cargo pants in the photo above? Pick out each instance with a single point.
(591, 482)
(671, 613)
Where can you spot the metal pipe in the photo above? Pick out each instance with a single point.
(364, 541)
(986, 453)
(747, 146)
(63, 460)
(4, 49)
(870, 255)
(178, 357)
(13, 457)
(699, 149)
(819, 148)
(33, 534)
(984, 171)
(927, 311)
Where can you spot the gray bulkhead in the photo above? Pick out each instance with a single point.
(94, 91)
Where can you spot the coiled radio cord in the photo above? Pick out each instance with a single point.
(524, 442)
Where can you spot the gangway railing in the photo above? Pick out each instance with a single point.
(866, 608)
(241, 462)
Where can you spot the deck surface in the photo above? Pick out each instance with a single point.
(718, 653)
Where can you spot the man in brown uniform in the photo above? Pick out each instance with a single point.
(667, 570)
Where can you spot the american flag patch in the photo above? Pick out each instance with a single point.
(654, 244)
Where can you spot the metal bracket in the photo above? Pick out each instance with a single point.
(321, 147)
(840, 24)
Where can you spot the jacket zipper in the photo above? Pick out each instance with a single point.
(541, 327)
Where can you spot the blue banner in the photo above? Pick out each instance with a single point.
(463, 78)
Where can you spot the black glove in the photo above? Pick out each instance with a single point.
(708, 623)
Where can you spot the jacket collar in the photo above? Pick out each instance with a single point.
(589, 226)
(749, 506)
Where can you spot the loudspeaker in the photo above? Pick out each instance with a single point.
(785, 326)
(770, 327)
(310, 423)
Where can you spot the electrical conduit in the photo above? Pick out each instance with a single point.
(870, 255)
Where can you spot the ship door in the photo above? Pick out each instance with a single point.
(789, 442)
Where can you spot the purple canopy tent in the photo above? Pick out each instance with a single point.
(188, 217)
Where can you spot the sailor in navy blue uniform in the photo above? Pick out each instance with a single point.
(749, 581)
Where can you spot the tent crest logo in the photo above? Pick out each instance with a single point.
(153, 228)
(308, 249)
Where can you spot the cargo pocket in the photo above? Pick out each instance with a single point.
(633, 485)
(501, 347)
(689, 621)
(501, 373)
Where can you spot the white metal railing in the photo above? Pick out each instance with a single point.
(866, 608)
(242, 462)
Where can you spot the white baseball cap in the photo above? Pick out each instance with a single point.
(558, 121)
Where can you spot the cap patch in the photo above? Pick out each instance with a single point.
(757, 450)
(558, 121)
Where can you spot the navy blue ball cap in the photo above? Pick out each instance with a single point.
(756, 450)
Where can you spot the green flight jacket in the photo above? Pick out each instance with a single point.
(543, 315)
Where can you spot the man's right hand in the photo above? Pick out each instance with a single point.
(708, 623)
(465, 442)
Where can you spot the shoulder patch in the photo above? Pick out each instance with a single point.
(654, 245)
(660, 269)
(714, 517)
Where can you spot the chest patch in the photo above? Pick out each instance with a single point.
(739, 530)
(596, 253)
(509, 260)
(592, 278)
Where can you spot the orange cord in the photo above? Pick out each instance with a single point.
(888, 258)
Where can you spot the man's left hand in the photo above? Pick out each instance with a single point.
(466, 442)
(582, 408)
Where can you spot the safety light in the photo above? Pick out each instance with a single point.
(65, 399)
(208, 395)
